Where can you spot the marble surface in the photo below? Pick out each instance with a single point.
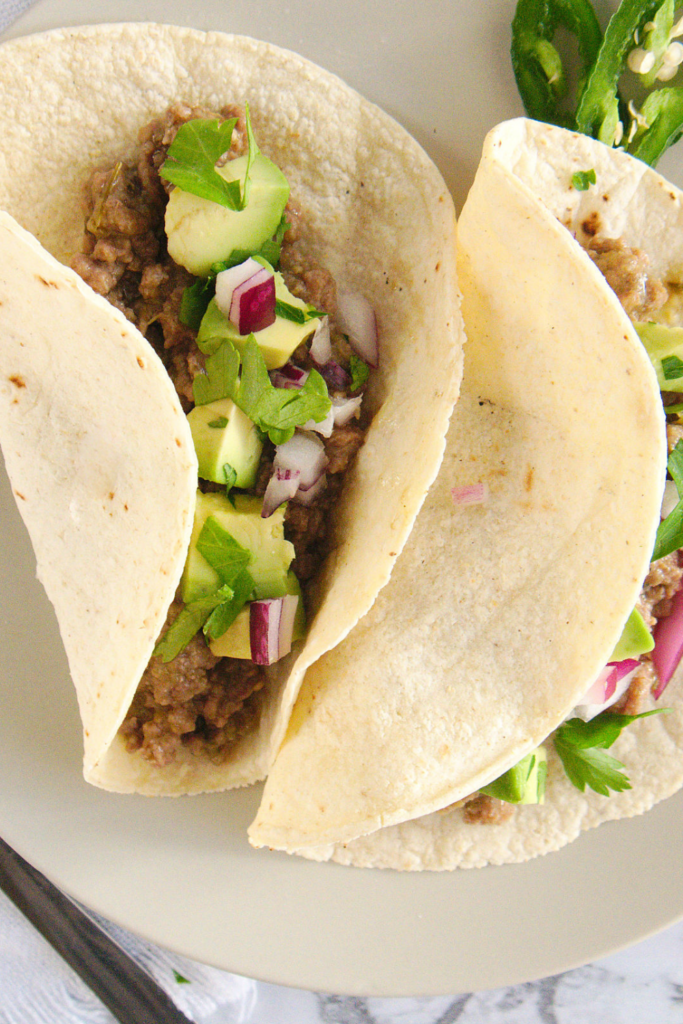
(640, 985)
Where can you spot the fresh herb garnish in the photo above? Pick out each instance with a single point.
(190, 620)
(581, 748)
(582, 180)
(230, 475)
(194, 302)
(360, 371)
(192, 158)
(180, 979)
(295, 313)
(224, 614)
(672, 367)
(275, 411)
(670, 530)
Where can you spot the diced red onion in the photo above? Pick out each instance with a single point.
(229, 279)
(668, 649)
(611, 684)
(283, 485)
(271, 624)
(335, 376)
(344, 409)
(307, 495)
(321, 346)
(289, 376)
(304, 453)
(356, 319)
(325, 427)
(253, 303)
(471, 494)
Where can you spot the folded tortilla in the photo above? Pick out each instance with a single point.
(375, 212)
(499, 615)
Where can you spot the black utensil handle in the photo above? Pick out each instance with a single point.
(125, 989)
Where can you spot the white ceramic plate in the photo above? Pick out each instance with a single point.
(181, 872)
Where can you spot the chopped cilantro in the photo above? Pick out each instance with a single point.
(275, 411)
(192, 158)
(295, 313)
(224, 614)
(670, 530)
(582, 180)
(581, 748)
(194, 302)
(360, 371)
(230, 475)
(219, 424)
(188, 622)
(672, 367)
(222, 551)
(180, 979)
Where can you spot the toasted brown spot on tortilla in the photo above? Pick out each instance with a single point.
(591, 224)
(20, 495)
(48, 284)
(141, 363)
(529, 478)
(17, 380)
(605, 199)
(438, 266)
(178, 443)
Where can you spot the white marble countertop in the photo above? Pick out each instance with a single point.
(640, 985)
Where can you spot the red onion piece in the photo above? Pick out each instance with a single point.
(668, 649)
(611, 684)
(253, 303)
(289, 376)
(307, 495)
(335, 376)
(344, 409)
(325, 427)
(304, 453)
(356, 319)
(471, 494)
(283, 485)
(271, 624)
(321, 345)
(229, 279)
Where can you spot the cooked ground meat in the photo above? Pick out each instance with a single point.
(661, 583)
(486, 810)
(626, 271)
(638, 696)
(197, 700)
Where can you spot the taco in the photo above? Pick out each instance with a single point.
(501, 614)
(127, 97)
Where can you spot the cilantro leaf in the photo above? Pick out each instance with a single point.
(360, 371)
(223, 553)
(180, 979)
(220, 379)
(187, 623)
(582, 180)
(295, 313)
(581, 748)
(672, 367)
(253, 150)
(223, 616)
(670, 530)
(192, 158)
(194, 302)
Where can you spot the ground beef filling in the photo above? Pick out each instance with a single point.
(198, 701)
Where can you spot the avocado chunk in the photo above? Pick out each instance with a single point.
(224, 435)
(201, 232)
(636, 639)
(524, 783)
(664, 345)
(277, 342)
(271, 554)
(236, 641)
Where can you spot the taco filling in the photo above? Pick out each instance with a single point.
(212, 291)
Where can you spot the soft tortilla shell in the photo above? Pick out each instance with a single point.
(497, 616)
(376, 213)
(96, 447)
(632, 202)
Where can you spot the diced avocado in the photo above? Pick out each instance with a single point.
(236, 641)
(524, 783)
(636, 639)
(201, 232)
(222, 434)
(271, 554)
(664, 345)
(276, 342)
